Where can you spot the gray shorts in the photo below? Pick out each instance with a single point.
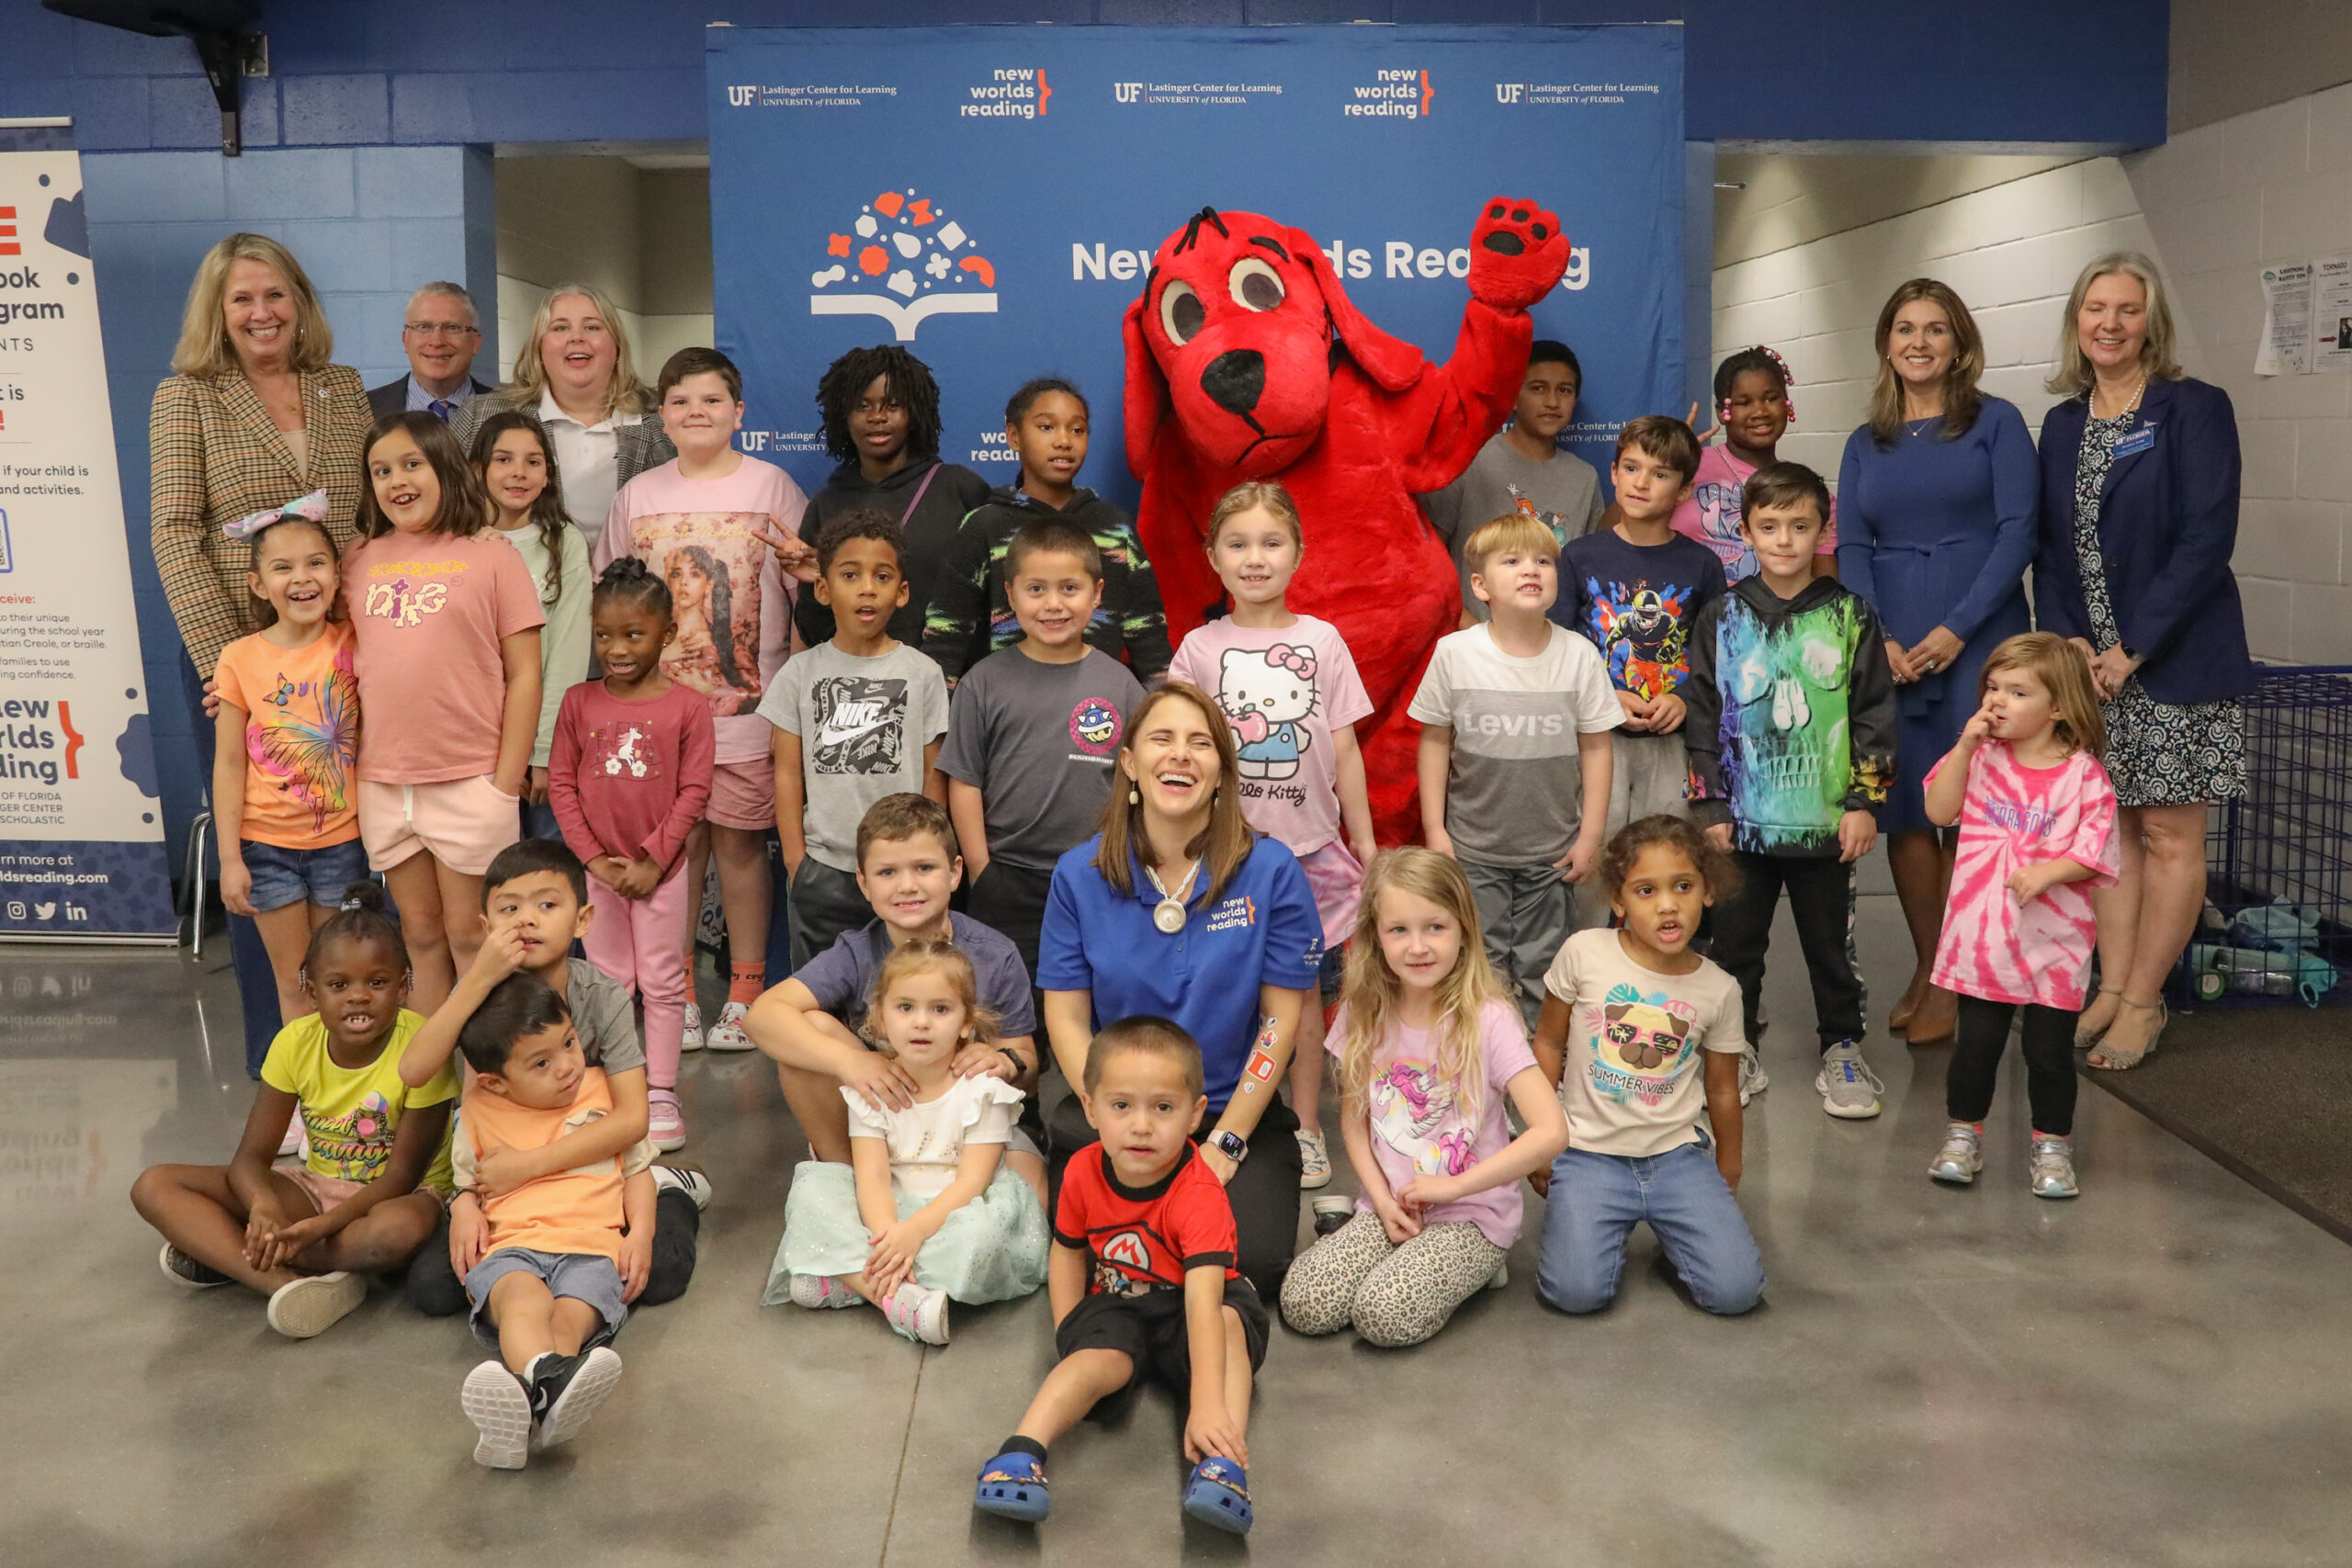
(583, 1276)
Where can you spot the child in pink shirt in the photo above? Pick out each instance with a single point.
(1752, 407)
(1290, 689)
(445, 624)
(2037, 834)
(629, 776)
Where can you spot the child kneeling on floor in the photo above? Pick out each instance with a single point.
(1143, 1282)
(566, 1251)
(927, 1211)
(1630, 1013)
(367, 1191)
(1429, 1049)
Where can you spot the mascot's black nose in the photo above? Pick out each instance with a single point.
(1235, 379)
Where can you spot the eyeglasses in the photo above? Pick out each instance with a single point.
(442, 329)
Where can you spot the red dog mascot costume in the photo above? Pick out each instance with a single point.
(1246, 361)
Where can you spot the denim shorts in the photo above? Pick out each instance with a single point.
(583, 1276)
(287, 877)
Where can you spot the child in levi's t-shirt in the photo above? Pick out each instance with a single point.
(1753, 405)
(722, 529)
(1628, 1016)
(1289, 687)
(629, 777)
(1431, 1049)
(2037, 834)
(444, 620)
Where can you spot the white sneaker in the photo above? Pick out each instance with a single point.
(1848, 1087)
(687, 1179)
(494, 1401)
(316, 1303)
(919, 1314)
(2052, 1166)
(692, 1039)
(1314, 1161)
(1753, 1080)
(1960, 1158)
(728, 1034)
(822, 1290)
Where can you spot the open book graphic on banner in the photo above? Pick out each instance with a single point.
(906, 261)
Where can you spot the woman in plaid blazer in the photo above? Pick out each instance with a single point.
(256, 417)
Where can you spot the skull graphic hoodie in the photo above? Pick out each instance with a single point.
(1791, 717)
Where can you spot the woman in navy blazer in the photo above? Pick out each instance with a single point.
(2139, 516)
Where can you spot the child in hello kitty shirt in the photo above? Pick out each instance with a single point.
(1289, 687)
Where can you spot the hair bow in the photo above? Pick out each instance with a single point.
(311, 508)
(1298, 660)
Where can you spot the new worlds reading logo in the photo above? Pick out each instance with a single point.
(903, 245)
(1401, 94)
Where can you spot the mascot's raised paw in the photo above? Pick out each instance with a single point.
(1517, 253)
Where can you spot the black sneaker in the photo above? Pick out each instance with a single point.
(566, 1390)
(179, 1268)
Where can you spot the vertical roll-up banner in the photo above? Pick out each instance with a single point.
(81, 817)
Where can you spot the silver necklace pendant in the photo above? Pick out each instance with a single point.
(1169, 916)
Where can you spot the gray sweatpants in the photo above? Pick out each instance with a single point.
(1647, 775)
(1527, 912)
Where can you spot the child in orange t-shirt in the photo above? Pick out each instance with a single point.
(288, 738)
(568, 1251)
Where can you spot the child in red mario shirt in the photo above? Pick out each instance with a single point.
(1142, 1281)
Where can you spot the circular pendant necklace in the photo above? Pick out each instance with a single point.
(1169, 913)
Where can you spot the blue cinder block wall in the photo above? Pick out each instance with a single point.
(368, 147)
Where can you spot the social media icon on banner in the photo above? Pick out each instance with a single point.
(903, 244)
(44, 911)
(16, 908)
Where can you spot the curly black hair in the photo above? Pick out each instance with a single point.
(629, 579)
(909, 381)
(1716, 869)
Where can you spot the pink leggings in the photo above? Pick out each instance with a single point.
(640, 942)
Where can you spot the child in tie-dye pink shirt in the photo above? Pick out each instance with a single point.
(2037, 834)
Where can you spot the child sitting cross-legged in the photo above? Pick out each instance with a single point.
(568, 1250)
(1143, 1282)
(1429, 1049)
(927, 1212)
(365, 1196)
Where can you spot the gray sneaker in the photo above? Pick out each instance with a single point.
(1753, 1080)
(2052, 1167)
(1847, 1087)
(1960, 1158)
(1314, 1161)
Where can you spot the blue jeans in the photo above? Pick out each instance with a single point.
(1595, 1202)
(256, 981)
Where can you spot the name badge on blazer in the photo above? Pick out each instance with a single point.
(2139, 440)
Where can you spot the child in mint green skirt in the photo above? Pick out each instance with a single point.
(927, 1209)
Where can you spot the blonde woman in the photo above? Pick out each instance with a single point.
(1429, 1048)
(1177, 910)
(575, 373)
(2139, 517)
(1936, 505)
(255, 416)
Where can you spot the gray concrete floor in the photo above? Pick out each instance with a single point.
(2152, 1375)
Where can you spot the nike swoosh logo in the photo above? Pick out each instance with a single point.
(832, 735)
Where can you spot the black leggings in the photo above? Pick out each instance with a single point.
(435, 1290)
(2049, 1063)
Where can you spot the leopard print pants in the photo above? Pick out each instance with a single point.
(1393, 1295)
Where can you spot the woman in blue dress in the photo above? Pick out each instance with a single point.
(1936, 503)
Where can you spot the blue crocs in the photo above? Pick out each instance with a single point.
(1012, 1486)
(1219, 1495)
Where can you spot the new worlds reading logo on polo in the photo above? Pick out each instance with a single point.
(906, 261)
(1391, 94)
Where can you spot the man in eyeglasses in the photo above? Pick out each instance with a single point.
(441, 335)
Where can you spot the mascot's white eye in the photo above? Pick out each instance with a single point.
(1182, 312)
(1254, 283)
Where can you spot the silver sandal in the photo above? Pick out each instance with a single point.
(2108, 1059)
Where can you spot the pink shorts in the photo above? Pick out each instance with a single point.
(325, 1191)
(742, 795)
(464, 822)
(1337, 881)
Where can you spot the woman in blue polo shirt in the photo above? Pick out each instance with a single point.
(1176, 908)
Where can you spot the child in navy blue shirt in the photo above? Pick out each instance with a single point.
(1635, 589)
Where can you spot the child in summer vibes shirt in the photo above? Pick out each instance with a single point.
(2037, 834)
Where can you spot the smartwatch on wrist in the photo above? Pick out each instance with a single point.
(1232, 1146)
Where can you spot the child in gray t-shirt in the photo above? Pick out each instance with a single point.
(1523, 470)
(856, 718)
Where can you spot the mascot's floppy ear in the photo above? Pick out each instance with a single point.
(1146, 401)
(1391, 362)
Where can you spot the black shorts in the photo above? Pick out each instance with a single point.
(1150, 1330)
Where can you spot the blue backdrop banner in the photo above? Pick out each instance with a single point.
(991, 197)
